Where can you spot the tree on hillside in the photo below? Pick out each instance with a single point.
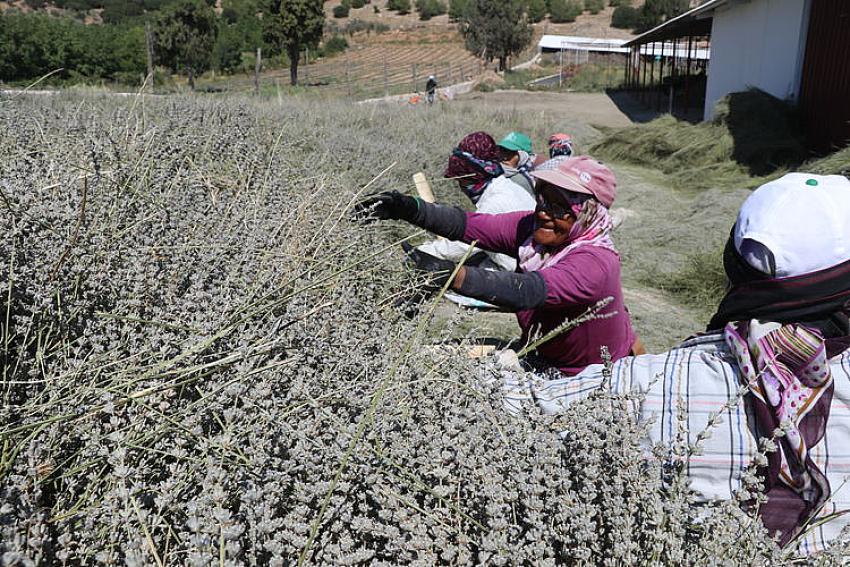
(227, 52)
(625, 17)
(654, 12)
(594, 6)
(116, 11)
(496, 30)
(240, 30)
(429, 8)
(536, 10)
(563, 11)
(400, 6)
(457, 9)
(290, 26)
(184, 35)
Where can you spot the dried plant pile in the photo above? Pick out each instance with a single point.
(837, 163)
(202, 364)
(752, 135)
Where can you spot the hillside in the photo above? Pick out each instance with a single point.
(592, 25)
(386, 52)
(398, 59)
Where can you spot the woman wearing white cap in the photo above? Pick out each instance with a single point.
(781, 335)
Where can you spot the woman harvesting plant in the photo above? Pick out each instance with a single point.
(567, 260)
(474, 163)
(767, 388)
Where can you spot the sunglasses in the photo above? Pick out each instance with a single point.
(552, 209)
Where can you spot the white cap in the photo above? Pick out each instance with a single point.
(796, 225)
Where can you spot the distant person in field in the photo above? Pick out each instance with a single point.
(567, 262)
(780, 336)
(517, 159)
(431, 89)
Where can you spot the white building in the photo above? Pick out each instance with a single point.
(756, 44)
(796, 50)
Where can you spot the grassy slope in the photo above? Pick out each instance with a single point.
(433, 46)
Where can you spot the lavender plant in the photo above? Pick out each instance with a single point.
(193, 335)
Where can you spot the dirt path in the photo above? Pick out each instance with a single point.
(590, 109)
(661, 227)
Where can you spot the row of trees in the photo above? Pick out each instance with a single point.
(111, 11)
(426, 9)
(559, 11)
(649, 15)
(186, 36)
(499, 30)
(35, 44)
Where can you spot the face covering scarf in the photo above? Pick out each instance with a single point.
(475, 161)
(523, 167)
(782, 332)
(477, 172)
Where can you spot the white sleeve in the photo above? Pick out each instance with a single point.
(447, 249)
(501, 196)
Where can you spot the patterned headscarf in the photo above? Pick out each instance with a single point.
(592, 228)
(523, 167)
(787, 371)
(476, 160)
(560, 145)
(782, 332)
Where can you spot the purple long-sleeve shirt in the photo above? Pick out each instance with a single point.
(576, 282)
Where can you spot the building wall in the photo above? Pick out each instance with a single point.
(825, 86)
(757, 43)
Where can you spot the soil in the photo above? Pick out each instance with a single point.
(19, 5)
(593, 109)
(588, 25)
(489, 78)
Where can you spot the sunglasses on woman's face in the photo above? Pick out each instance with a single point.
(554, 210)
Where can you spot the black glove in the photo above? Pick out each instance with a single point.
(509, 290)
(390, 205)
(438, 270)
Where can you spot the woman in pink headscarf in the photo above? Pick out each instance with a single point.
(560, 144)
(567, 260)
